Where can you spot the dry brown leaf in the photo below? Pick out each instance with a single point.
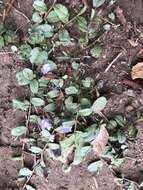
(100, 141)
(137, 71)
(120, 16)
(133, 43)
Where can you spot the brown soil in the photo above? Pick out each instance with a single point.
(125, 97)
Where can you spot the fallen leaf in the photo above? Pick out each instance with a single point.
(122, 19)
(100, 141)
(133, 43)
(137, 71)
(120, 16)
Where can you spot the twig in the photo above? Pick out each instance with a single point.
(114, 60)
(96, 184)
(8, 8)
(6, 52)
(28, 179)
(22, 14)
(27, 124)
(51, 7)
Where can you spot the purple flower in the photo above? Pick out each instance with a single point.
(45, 68)
(65, 129)
(45, 124)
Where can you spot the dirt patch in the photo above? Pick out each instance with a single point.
(133, 10)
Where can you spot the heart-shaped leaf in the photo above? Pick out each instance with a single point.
(34, 86)
(85, 112)
(95, 166)
(98, 3)
(29, 187)
(25, 172)
(62, 12)
(36, 150)
(18, 131)
(37, 101)
(99, 105)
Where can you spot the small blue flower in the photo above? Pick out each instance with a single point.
(65, 129)
(45, 68)
(45, 124)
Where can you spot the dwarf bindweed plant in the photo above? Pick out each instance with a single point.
(64, 108)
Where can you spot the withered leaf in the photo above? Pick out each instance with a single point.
(100, 141)
(137, 71)
(133, 43)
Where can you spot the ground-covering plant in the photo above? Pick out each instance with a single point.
(6, 36)
(64, 109)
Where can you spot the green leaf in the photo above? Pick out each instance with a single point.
(85, 102)
(37, 56)
(37, 18)
(43, 82)
(107, 27)
(64, 38)
(8, 37)
(18, 131)
(54, 93)
(34, 119)
(75, 65)
(53, 17)
(69, 123)
(23, 105)
(58, 82)
(50, 107)
(121, 137)
(92, 32)
(53, 65)
(46, 29)
(132, 186)
(85, 112)
(95, 166)
(21, 79)
(36, 150)
(132, 132)
(25, 51)
(112, 124)
(98, 3)
(120, 120)
(45, 134)
(70, 106)
(37, 101)
(39, 171)
(1, 42)
(25, 172)
(87, 82)
(82, 23)
(66, 147)
(80, 154)
(53, 146)
(39, 5)
(62, 12)
(17, 158)
(29, 187)
(71, 90)
(36, 38)
(34, 85)
(111, 16)
(99, 104)
(28, 74)
(96, 51)
(117, 162)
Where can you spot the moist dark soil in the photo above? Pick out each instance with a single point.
(125, 97)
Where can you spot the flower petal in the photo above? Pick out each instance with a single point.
(45, 124)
